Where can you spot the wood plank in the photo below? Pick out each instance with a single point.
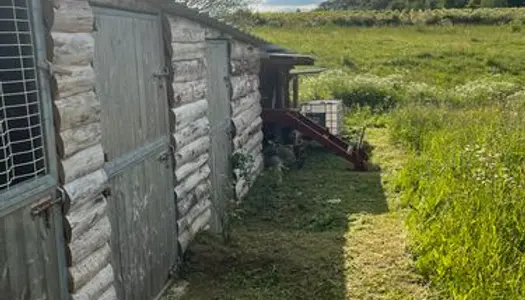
(17, 272)
(5, 288)
(33, 261)
(219, 115)
(120, 98)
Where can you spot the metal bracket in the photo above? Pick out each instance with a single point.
(43, 206)
(164, 73)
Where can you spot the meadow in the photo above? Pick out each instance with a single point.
(452, 96)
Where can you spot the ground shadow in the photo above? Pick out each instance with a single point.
(290, 241)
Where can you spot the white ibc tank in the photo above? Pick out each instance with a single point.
(327, 113)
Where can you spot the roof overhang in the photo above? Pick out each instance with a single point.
(307, 71)
(291, 59)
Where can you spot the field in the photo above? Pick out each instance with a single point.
(367, 18)
(445, 108)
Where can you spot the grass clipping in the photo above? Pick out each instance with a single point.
(324, 233)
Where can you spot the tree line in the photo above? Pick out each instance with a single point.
(415, 4)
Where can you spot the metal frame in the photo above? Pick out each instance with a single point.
(16, 196)
(29, 191)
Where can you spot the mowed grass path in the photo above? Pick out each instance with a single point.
(325, 233)
(437, 55)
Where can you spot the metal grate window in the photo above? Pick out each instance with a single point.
(21, 133)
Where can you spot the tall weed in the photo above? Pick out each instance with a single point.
(466, 188)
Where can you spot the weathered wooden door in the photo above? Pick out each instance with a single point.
(130, 83)
(32, 258)
(219, 115)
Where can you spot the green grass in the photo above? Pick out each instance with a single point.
(435, 55)
(324, 233)
(453, 97)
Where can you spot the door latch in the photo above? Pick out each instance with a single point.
(162, 74)
(43, 207)
(164, 158)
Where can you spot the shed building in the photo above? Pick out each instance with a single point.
(119, 119)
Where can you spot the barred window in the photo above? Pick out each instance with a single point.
(21, 133)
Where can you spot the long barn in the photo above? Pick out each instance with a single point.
(119, 120)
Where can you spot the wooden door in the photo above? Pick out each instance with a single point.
(32, 250)
(129, 64)
(219, 115)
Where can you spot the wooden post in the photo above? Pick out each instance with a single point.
(286, 82)
(295, 87)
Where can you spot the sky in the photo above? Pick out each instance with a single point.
(285, 5)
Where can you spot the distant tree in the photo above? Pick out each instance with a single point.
(217, 8)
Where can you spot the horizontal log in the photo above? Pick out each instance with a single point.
(97, 286)
(212, 33)
(240, 50)
(188, 51)
(202, 191)
(243, 85)
(249, 65)
(255, 141)
(73, 16)
(187, 185)
(81, 163)
(90, 241)
(189, 70)
(186, 92)
(86, 188)
(191, 151)
(184, 30)
(73, 48)
(88, 268)
(109, 294)
(188, 113)
(85, 217)
(74, 140)
(191, 167)
(184, 223)
(191, 132)
(78, 110)
(243, 120)
(242, 104)
(243, 137)
(185, 237)
(75, 80)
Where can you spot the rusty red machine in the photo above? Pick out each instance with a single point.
(281, 111)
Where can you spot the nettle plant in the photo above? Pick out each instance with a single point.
(242, 165)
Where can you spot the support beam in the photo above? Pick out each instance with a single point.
(295, 88)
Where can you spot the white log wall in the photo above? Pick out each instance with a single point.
(190, 128)
(78, 134)
(246, 110)
(190, 125)
(81, 157)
